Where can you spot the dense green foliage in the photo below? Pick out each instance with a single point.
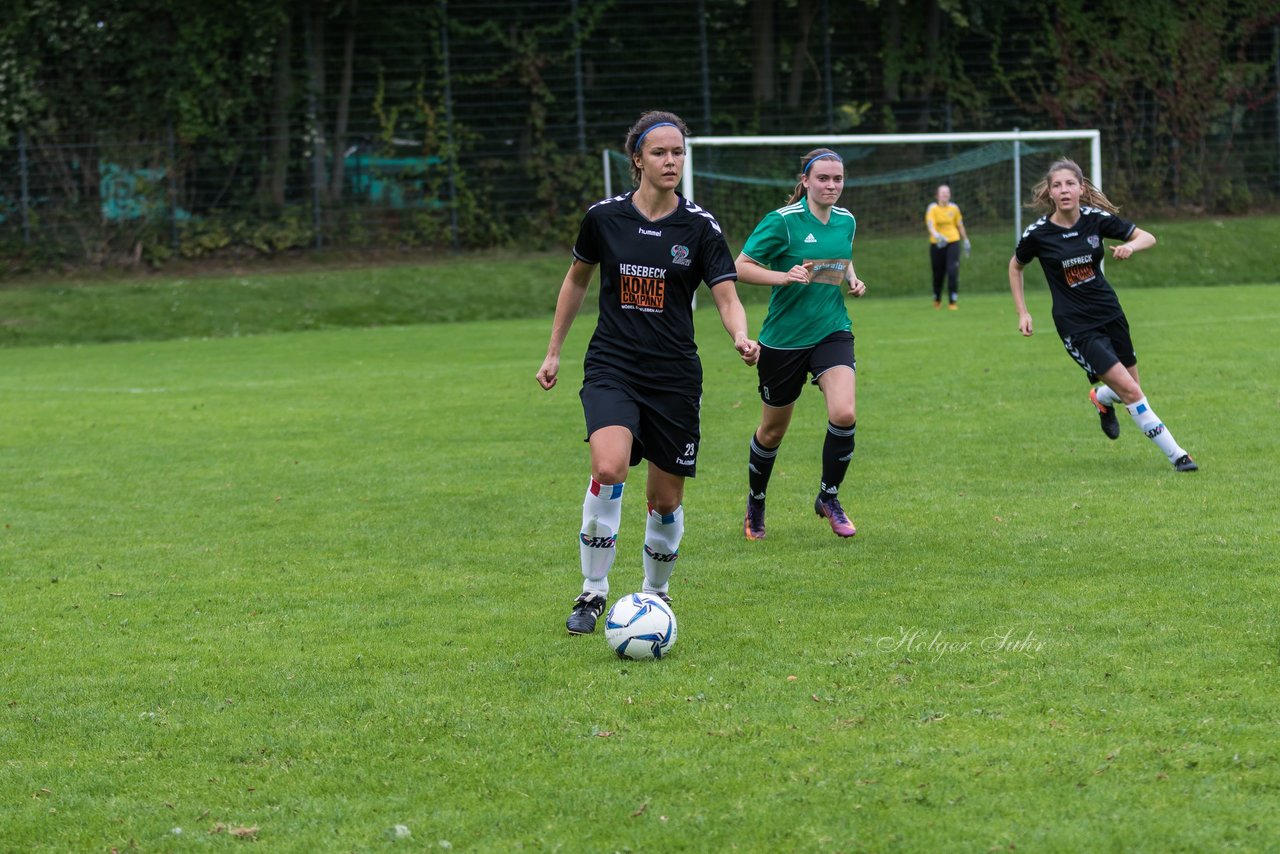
(242, 125)
(304, 589)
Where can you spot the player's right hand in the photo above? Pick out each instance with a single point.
(1024, 325)
(942, 242)
(800, 274)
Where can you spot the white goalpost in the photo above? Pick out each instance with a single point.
(890, 177)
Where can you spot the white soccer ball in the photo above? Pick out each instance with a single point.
(640, 626)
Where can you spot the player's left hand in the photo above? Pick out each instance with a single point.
(1121, 251)
(749, 350)
(547, 374)
(857, 287)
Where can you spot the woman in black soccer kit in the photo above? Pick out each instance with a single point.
(1086, 311)
(642, 379)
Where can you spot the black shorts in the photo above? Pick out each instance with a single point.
(664, 424)
(1098, 350)
(782, 372)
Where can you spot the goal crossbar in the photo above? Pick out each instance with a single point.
(1015, 137)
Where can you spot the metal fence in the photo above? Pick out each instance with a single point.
(481, 124)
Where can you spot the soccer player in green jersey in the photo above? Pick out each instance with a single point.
(804, 251)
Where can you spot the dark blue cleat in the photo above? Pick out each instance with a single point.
(587, 608)
(1107, 415)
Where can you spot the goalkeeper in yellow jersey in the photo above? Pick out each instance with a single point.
(946, 237)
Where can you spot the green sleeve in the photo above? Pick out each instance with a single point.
(769, 242)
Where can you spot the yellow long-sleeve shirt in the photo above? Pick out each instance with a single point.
(945, 220)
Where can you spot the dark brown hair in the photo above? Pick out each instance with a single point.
(806, 163)
(647, 122)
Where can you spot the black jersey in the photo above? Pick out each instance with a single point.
(649, 271)
(1072, 262)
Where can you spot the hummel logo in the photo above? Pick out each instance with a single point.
(811, 238)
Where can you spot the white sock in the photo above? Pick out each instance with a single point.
(601, 515)
(1150, 424)
(661, 548)
(1106, 396)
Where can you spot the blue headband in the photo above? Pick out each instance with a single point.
(819, 157)
(640, 141)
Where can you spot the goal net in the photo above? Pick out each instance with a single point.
(889, 178)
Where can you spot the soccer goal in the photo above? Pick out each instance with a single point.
(889, 178)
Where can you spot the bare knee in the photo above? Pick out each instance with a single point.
(1129, 392)
(664, 505)
(664, 496)
(1130, 396)
(843, 416)
(610, 471)
(769, 436)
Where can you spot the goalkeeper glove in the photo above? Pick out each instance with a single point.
(942, 242)
(966, 248)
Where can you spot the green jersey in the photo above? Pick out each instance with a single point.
(802, 315)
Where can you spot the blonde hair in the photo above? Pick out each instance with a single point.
(805, 163)
(1089, 194)
(647, 122)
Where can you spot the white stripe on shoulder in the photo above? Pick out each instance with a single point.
(842, 211)
(691, 207)
(790, 209)
(609, 201)
(1041, 221)
(1086, 209)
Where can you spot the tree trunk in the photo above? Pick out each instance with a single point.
(281, 93)
(315, 83)
(929, 82)
(891, 59)
(806, 13)
(344, 104)
(764, 86)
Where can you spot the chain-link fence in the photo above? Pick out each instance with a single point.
(387, 126)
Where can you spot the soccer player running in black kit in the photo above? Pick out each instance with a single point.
(1086, 311)
(642, 378)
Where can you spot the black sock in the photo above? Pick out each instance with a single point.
(837, 451)
(759, 468)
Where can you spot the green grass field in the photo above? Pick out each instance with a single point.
(305, 588)
(343, 292)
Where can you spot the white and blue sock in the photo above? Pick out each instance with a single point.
(597, 542)
(1106, 396)
(1151, 425)
(661, 548)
